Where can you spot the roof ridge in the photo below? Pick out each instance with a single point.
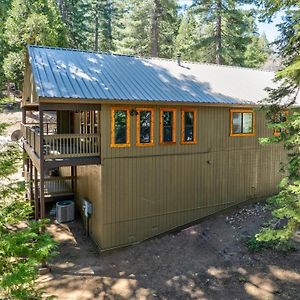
(150, 58)
(209, 64)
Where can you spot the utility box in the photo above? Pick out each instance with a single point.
(87, 207)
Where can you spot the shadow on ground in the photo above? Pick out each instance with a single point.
(205, 261)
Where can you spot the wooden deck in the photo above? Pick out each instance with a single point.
(55, 187)
(58, 187)
(61, 149)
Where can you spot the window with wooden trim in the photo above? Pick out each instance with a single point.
(120, 127)
(167, 126)
(144, 127)
(188, 126)
(278, 118)
(242, 122)
(89, 122)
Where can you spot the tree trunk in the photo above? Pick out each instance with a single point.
(62, 10)
(109, 25)
(155, 28)
(96, 30)
(218, 36)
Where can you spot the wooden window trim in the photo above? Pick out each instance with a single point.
(139, 110)
(183, 110)
(162, 110)
(278, 133)
(253, 122)
(127, 144)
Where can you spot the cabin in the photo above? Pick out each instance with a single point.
(151, 144)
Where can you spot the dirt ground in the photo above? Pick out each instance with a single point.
(205, 261)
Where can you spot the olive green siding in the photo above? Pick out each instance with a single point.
(139, 192)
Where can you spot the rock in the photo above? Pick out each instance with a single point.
(44, 271)
(281, 223)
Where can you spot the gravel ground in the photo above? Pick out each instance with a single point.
(205, 261)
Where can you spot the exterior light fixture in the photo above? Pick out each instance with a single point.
(134, 112)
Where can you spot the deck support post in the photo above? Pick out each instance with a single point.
(36, 194)
(25, 160)
(23, 115)
(30, 165)
(42, 164)
(74, 179)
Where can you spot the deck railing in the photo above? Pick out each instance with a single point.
(32, 137)
(49, 128)
(71, 145)
(58, 185)
(55, 185)
(61, 145)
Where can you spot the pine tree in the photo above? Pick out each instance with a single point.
(103, 15)
(4, 8)
(168, 29)
(188, 38)
(23, 248)
(224, 36)
(148, 28)
(30, 22)
(287, 203)
(257, 52)
(75, 15)
(134, 32)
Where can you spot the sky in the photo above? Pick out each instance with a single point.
(268, 28)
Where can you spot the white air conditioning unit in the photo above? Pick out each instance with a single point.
(65, 211)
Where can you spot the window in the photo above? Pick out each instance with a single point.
(144, 127)
(242, 122)
(167, 126)
(120, 127)
(188, 126)
(278, 118)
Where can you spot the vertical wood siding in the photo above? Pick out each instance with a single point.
(140, 192)
(29, 90)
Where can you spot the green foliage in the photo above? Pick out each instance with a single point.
(24, 245)
(137, 23)
(257, 51)
(254, 244)
(105, 13)
(22, 249)
(13, 67)
(188, 38)
(287, 202)
(4, 8)
(228, 34)
(235, 43)
(29, 22)
(286, 120)
(6, 100)
(76, 17)
(3, 126)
